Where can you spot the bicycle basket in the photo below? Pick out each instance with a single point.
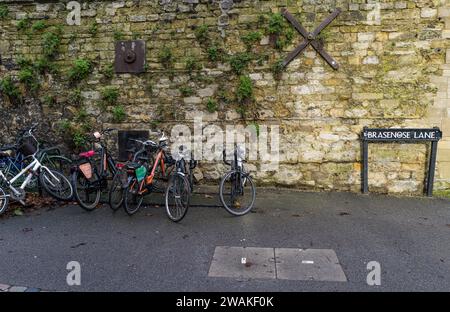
(86, 169)
(140, 173)
(27, 149)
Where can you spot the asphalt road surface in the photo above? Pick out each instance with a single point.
(409, 237)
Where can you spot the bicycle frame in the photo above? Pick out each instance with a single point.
(149, 179)
(12, 163)
(34, 166)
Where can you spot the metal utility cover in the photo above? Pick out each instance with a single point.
(130, 56)
(308, 265)
(227, 262)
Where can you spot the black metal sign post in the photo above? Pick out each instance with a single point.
(375, 135)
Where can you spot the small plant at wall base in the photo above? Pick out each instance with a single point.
(79, 138)
(186, 91)
(43, 65)
(277, 69)
(150, 89)
(29, 78)
(192, 64)
(108, 71)
(24, 62)
(166, 57)
(93, 29)
(279, 31)
(75, 97)
(118, 113)
(110, 95)
(251, 38)
(23, 23)
(9, 88)
(51, 41)
(39, 25)
(3, 12)
(201, 33)
(213, 53)
(81, 115)
(118, 35)
(75, 131)
(211, 106)
(81, 68)
(239, 62)
(244, 92)
(49, 100)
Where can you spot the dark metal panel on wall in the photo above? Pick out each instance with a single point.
(130, 56)
(125, 144)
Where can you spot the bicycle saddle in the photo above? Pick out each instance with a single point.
(7, 153)
(133, 166)
(87, 154)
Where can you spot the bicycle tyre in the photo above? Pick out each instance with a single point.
(4, 200)
(56, 188)
(57, 162)
(178, 185)
(132, 201)
(241, 211)
(77, 176)
(116, 189)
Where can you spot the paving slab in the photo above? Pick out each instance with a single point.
(228, 262)
(4, 287)
(308, 265)
(17, 289)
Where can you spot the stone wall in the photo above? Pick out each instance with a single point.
(394, 71)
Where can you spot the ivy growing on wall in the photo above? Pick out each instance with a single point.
(80, 69)
(4, 11)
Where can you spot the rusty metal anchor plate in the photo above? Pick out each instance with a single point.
(130, 56)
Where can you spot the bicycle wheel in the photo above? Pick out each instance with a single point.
(177, 197)
(32, 186)
(56, 184)
(4, 199)
(237, 193)
(132, 200)
(60, 163)
(85, 193)
(116, 191)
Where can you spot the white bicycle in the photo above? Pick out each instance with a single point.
(53, 181)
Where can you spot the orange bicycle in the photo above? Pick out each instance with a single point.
(143, 181)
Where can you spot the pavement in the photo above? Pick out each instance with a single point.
(409, 237)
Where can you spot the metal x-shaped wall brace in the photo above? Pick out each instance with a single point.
(310, 38)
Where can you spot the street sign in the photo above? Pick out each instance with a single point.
(378, 135)
(402, 134)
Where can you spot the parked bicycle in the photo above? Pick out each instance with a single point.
(12, 161)
(180, 186)
(237, 190)
(125, 171)
(53, 181)
(144, 181)
(90, 176)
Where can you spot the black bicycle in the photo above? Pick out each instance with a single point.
(237, 190)
(90, 176)
(180, 186)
